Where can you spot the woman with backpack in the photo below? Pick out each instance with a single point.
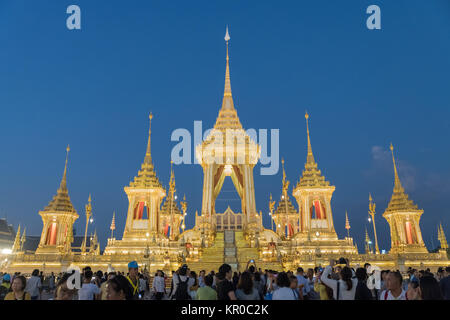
(345, 287)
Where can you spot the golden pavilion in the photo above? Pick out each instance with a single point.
(155, 234)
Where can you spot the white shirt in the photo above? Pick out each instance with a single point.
(402, 295)
(33, 285)
(344, 294)
(302, 280)
(87, 291)
(284, 293)
(159, 284)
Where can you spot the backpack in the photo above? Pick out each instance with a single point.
(3, 292)
(182, 289)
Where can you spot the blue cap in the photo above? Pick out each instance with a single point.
(6, 277)
(133, 264)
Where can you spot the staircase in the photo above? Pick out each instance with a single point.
(230, 250)
(212, 257)
(231, 247)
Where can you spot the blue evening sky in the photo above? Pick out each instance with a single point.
(93, 89)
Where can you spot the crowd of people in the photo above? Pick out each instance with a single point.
(337, 281)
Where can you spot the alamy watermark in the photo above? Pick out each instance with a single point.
(228, 147)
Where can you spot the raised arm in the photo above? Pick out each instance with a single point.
(329, 282)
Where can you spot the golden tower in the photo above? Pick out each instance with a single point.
(171, 216)
(403, 217)
(228, 151)
(58, 218)
(145, 194)
(286, 217)
(313, 194)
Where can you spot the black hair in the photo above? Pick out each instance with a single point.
(414, 284)
(35, 272)
(346, 274)
(182, 271)
(252, 269)
(430, 288)
(209, 280)
(361, 274)
(88, 274)
(120, 283)
(223, 270)
(283, 280)
(300, 269)
(245, 282)
(447, 269)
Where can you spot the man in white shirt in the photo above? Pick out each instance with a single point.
(88, 290)
(159, 285)
(394, 290)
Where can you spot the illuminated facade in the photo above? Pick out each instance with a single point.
(305, 236)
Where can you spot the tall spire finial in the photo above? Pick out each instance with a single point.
(172, 181)
(227, 91)
(63, 184)
(347, 224)
(285, 183)
(397, 183)
(148, 154)
(310, 156)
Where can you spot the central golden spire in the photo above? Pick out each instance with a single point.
(227, 91)
(228, 118)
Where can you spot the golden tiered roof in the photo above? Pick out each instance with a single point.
(61, 201)
(227, 118)
(170, 205)
(399, 200)
(285, 205)
(146, 178)
(311, 175)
